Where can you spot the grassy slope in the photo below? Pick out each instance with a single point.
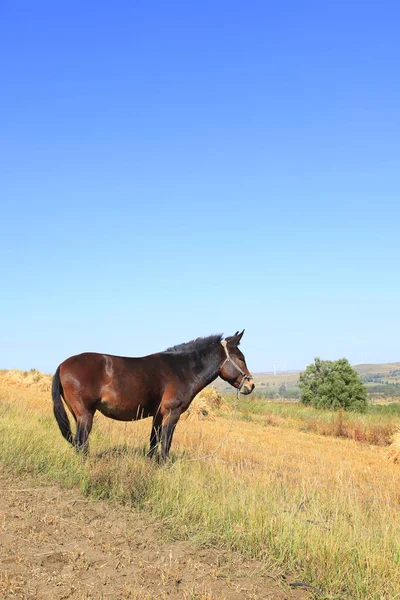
(372, 369)
(327, 508)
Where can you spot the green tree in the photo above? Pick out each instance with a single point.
(333, 385)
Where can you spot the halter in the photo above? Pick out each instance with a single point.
(228, 359)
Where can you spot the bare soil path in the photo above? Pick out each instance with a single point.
(55, 545)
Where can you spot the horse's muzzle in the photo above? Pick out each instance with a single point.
(247, 387)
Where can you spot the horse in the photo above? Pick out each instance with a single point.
(160, 386)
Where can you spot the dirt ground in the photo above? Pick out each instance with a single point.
(55, 544)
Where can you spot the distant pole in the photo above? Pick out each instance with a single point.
(274, 369)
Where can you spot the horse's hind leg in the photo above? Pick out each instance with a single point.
(82, 405)
(84, 424)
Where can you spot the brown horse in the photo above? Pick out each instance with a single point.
(160, 385)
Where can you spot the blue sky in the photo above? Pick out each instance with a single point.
(174, 169)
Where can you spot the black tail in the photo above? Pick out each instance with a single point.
(58, 407)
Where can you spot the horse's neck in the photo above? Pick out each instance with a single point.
(206, 370)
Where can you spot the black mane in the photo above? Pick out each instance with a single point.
(199, 345)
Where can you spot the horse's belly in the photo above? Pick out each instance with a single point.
(121, 412)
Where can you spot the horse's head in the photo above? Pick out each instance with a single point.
(233, 367)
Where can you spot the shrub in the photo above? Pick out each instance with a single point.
(333, 385)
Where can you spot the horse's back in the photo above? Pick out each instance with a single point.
(86, 362)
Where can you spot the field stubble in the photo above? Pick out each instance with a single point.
(325, 508)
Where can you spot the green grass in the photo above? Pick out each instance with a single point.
(392, 409)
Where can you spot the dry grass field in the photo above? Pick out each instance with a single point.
(262, 486)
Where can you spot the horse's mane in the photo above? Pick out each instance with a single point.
(199, 345)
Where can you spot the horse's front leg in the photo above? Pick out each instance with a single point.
(168, 427)
(155, 436)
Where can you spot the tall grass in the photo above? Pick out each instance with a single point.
(377, 426)
(325, 509)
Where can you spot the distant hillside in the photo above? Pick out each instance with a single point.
(267, 381)
(380, 373)
(372, 374)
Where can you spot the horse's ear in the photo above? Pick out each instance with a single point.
(234, 341)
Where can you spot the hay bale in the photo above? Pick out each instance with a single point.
(211, 397)
(393, 452)
(28, 379)
(205, 404)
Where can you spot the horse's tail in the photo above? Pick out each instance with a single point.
(58, 407)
